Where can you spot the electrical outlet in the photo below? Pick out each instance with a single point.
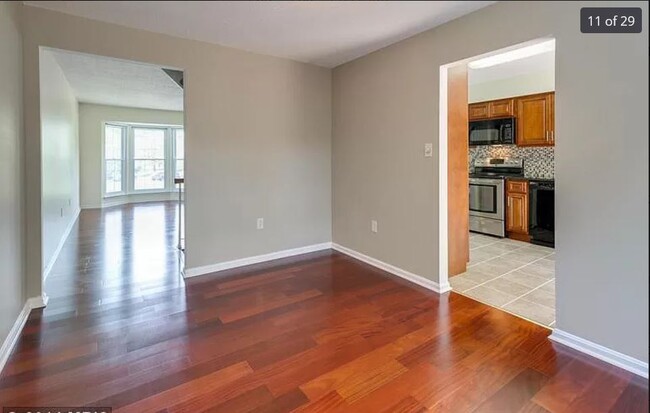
(428, 150)
(260, 223)
(373, 226)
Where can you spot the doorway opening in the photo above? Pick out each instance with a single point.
(112, 171)
(497, 179)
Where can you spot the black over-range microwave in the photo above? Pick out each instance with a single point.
(492, 132)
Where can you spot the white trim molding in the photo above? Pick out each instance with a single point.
(12, 338)
(14, 334)
(605, 354)
(38, 301)
(57, 251)
(227, 265)
(133, 199)
(443, 180)
(409, 276)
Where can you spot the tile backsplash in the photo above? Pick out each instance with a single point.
(538, 162)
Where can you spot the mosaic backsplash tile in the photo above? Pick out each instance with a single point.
(538, 162)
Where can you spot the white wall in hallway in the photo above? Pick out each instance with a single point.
(12, 246)
(60, 155)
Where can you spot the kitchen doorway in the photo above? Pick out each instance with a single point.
(497, 172)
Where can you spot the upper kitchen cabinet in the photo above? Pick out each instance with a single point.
(502, 108)
(479, 110)
(536, 120)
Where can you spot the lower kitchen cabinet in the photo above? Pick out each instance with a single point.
(517, 210)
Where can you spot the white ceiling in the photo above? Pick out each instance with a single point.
(543, 62)
(325, 33)
(107, 81)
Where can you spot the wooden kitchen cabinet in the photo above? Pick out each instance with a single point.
(536, 120)
(479, 111)
(502, 108)
(517, 210)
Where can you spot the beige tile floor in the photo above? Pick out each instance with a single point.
(515, 276)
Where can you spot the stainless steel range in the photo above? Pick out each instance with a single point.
(487, 193)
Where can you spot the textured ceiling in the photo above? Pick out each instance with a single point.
(325, 33)
(106, 81)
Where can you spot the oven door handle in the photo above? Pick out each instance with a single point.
(485, 181)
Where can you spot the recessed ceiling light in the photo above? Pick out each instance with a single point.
(512, 55)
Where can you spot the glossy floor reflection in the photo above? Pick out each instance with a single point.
(116, 253)
(320, 332)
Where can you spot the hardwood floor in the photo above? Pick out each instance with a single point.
(316, 333)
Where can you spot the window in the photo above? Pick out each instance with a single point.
(179, 153)
(142, 158)
(148, 159)
(114, 159)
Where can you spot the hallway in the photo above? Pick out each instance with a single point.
(115, 254)
(317, 332)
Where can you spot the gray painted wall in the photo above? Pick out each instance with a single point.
(91, 121)
(12, 296)
(241, 123)
(385, 107)
(60, 156)
(258, 138)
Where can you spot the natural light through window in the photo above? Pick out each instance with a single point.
(142, 158)
(148, 159)
(179, 166)
(114, 156)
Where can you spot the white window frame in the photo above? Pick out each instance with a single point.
(124, 159)
(128, 176)
(174, 158)
(166, 161)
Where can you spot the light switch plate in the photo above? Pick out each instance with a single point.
(428, 150)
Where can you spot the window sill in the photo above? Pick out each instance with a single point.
(140, 193)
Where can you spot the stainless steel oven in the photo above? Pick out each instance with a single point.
(486, 205)
(487, 193)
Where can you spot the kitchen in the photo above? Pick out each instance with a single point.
(511, 132)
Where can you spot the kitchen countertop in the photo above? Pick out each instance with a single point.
(530, 178)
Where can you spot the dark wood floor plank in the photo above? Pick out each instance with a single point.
(321, 332)
(634, 398)
(516, 394)
(188, 390)
(567, 385)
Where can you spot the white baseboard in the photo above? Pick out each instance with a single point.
(409, 276)
(57, 251)
(600, 352)
(208, 269)
(38, 302)
(12, 338)
(132, 199)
